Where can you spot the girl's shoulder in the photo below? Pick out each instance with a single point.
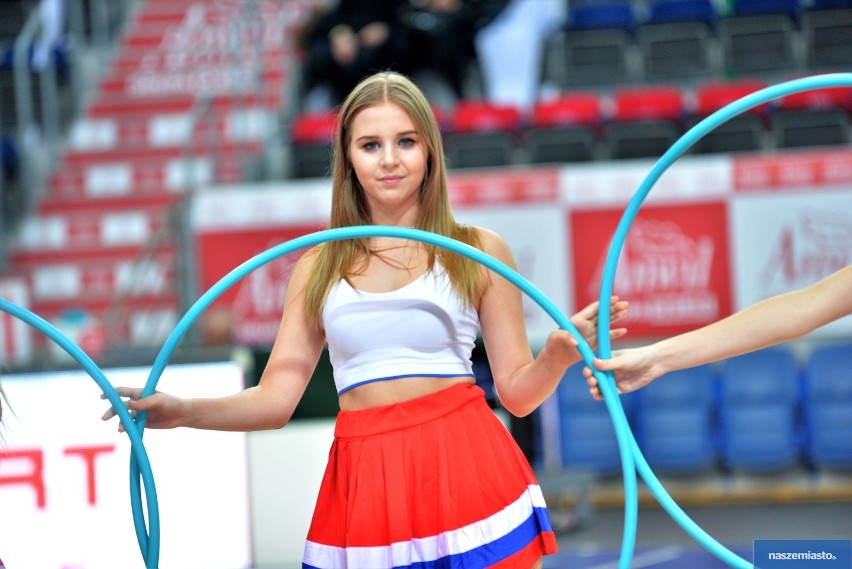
(493, 243)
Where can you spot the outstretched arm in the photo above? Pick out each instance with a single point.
(521, 381)
(771, 321)
(268, 405)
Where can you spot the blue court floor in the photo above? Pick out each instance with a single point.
(663, 544)
(662, 557)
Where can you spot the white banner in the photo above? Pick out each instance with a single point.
(539, 254)
(785, 241)
(64, 476)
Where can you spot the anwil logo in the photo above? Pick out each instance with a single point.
(666, 275)
(260, 300)
(816, 245)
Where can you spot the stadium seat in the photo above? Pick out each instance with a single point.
(675, 421)
(645, 122)
(481, 134)
(827, 32)
(791, 8)
(596, 43)
(819, 117)
(676, 39)
(760, 37)
(566, 129)
(310, 144)
(758, 411)
(744, 132)
(828, 406)
(585, 428)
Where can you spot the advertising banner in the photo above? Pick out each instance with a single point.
(64, 489)
(256, 301)
(783, 241)
(539, 255)
(673, 269)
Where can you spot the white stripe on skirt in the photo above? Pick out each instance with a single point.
(430, 548)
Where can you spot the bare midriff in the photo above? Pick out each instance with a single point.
(388, 392)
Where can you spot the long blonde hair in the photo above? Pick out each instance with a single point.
(335, 260)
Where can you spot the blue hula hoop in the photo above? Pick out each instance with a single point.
(606, 381)
(149, 545)
(632, 458)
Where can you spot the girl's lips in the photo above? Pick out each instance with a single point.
(391, 179)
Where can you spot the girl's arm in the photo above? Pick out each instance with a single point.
(770, 321)
(522, 382)
(271, 403)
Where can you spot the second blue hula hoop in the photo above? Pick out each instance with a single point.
(702, 128)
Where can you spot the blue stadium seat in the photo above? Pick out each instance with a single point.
(790, 8)
(586, 430)
(675, 39)
(602, 15)
(678, 11)
(760, 37)
(827, 406)
(594, 47)
(675, 421)
(758, 411)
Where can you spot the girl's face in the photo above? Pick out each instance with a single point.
(389, 158)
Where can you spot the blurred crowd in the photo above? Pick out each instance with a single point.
(454, 49)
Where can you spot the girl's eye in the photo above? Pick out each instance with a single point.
(370, 145)
(406, 142)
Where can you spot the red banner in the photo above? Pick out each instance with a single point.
(674, 267)
(255, 302)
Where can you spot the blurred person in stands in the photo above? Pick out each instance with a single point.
(441, 36)
(510, 50)
(418, 456)
(347, 42)
(773, 320)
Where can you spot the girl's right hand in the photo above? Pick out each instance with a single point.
(164, 411)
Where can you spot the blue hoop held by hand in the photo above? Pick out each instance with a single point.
(606, 381)
(149, 543)
(632, 458)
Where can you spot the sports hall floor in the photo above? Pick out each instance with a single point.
(733, 509)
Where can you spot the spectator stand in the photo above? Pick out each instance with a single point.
(827, 407)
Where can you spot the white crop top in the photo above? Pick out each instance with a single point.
(421, 329)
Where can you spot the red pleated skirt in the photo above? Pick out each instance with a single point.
(436, 482)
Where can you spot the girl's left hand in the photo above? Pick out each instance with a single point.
(586, 321)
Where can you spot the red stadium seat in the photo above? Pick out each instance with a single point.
(741, 133)
(481, 116)
(820, 117)
(651, 102)
(571, 109)
(565, 129)
(317, 126)
(312, 134)
(645, 121)
(713, 95)
(482, 134)
(833, 97)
